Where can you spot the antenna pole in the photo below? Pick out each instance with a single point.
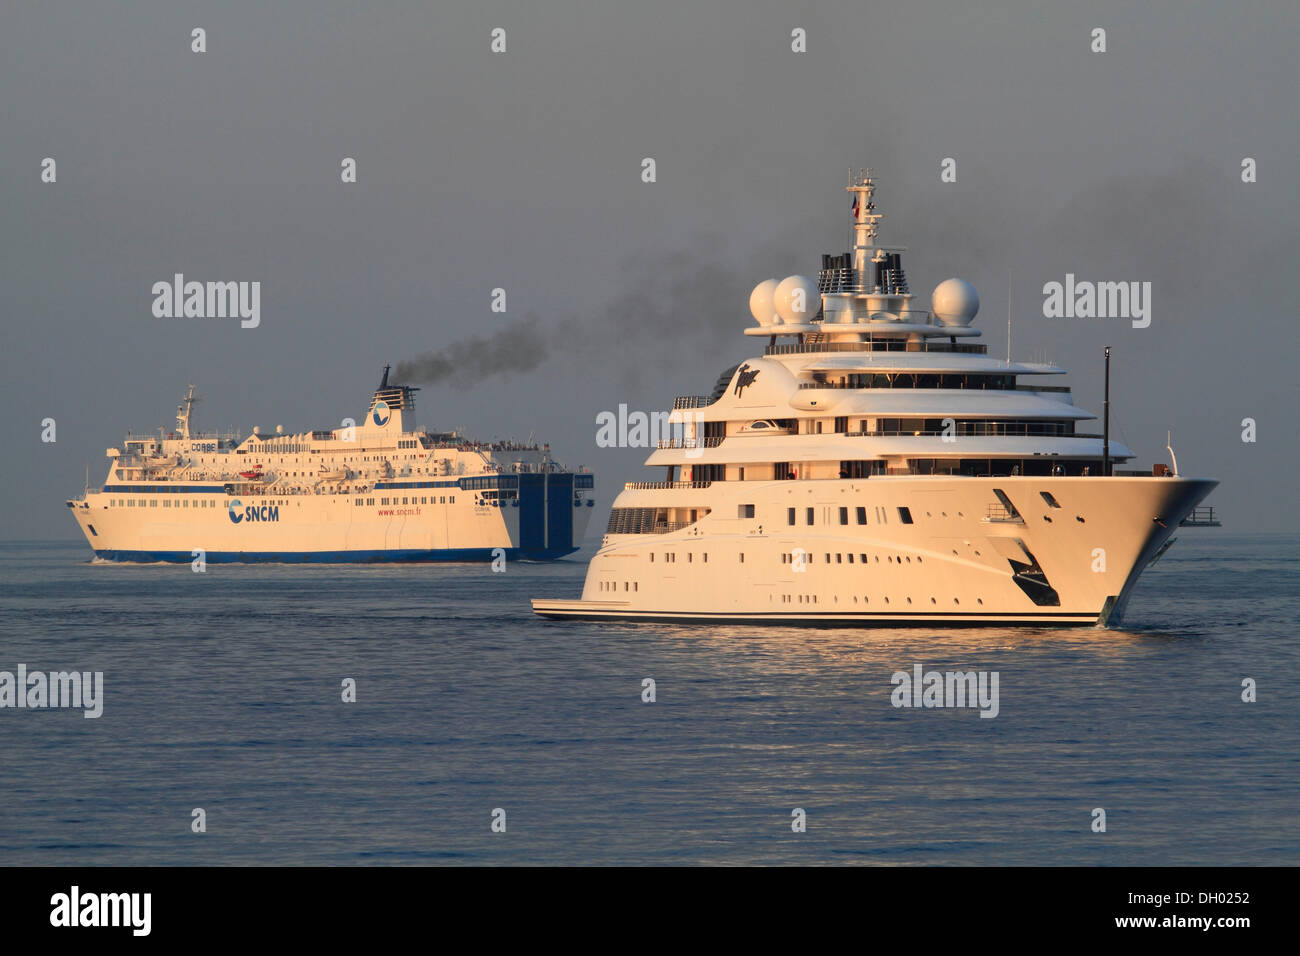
(1008, 317)
(1105, 430)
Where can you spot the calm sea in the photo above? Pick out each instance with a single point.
(223, 691)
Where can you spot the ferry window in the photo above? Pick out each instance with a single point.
(839, 558)
(850, 557)
(862, 516)
(790, 514)
(451, 500)
(1047, 496)
(810, 515)
(844, 516)
(690, 557)
(905, 515)
(652, 557)
(742, 557)
(828, 557)
(706, 557)
(746, 511)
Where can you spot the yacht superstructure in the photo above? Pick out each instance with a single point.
(875, 465)
(379, 490)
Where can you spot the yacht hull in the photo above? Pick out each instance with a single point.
(1068, 552)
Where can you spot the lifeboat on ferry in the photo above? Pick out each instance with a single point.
(332, 475)
(253, 474)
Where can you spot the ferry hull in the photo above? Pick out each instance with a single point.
(546, 523)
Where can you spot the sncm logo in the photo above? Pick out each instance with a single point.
(253, 512)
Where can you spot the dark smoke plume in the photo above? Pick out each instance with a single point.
(518, 347)
(684, 297)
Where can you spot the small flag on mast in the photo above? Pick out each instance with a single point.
(855, 206)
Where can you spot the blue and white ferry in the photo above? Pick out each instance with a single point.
(380, 489)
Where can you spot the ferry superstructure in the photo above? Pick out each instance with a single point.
(874, 465)
(382, 489)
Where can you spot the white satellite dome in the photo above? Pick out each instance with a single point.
(760, 303)
(797, 300)
(955, 302)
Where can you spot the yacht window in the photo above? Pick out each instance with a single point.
(905, 515)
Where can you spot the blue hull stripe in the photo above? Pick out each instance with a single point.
(413, 555)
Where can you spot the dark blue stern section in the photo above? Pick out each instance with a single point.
(546, 515)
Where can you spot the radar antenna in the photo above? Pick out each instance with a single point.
(183, 413)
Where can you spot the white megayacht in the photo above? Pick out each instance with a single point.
(879, 467)
(381, 490)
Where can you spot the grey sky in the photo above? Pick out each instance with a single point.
(521, 170)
